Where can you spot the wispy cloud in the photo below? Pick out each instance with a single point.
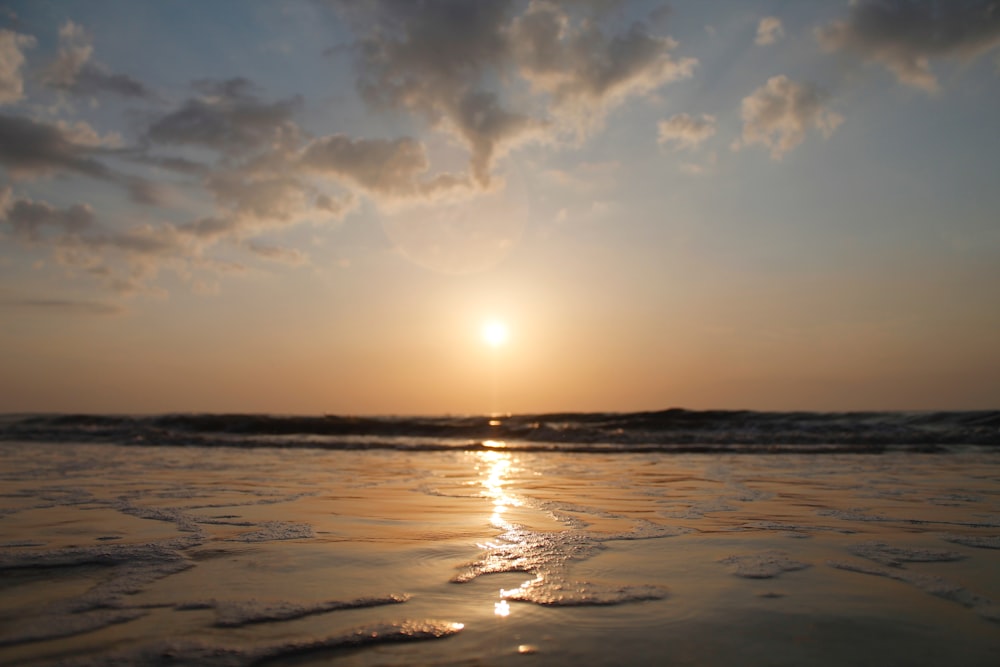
(75, 71)
(684, 131)
(73, 306)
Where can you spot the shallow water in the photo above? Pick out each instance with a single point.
(169, 555)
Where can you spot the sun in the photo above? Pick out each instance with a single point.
(495, 333)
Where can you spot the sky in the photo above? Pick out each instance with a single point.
(314, 207)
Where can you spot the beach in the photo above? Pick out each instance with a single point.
(116, 554)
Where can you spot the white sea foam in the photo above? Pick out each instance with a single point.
(762, 565)
(222, 654)
(546, 555)
(270, 531)
(238, 613)
(895, 556)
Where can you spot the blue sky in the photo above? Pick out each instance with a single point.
(313, 206)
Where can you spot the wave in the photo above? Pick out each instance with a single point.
(672, 430)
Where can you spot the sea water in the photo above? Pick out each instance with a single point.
(401, 547)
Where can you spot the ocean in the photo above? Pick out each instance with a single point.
(663, 538)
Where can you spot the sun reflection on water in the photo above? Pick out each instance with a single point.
(497, 467)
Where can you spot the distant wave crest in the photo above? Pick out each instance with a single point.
(673, 430)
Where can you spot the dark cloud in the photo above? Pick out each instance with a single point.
(230, 119)
(30, 148)
(488, 129)
(457, 63)
(433, 58)
(420, 54)
(208, 228)
(905, 35)
(29, 219)
(74, 70)
(390, 167)
(261, 198)
(579, 63)
(140, 241)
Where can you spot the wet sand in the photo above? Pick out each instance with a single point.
(227, 556)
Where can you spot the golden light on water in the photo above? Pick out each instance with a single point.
(496, 468)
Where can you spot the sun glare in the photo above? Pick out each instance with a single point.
(495, 333)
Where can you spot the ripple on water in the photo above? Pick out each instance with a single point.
(59, 626)
(936, 586)
(977, 541)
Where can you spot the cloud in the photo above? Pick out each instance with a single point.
(28, 218)
(75, 51)
(229, 118)
(777, 115)
(257, 182)
(769, 31)
(30, 149)
(586, 71)
(12, 59)
(82, 134)
(432, 59)
(685, 131)
(905, 35)
(380, 166)
(274, 253)
(75, 72)
(463, 67)
(122, 260)
(76, 306)
(700, 168)
(34, 148)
